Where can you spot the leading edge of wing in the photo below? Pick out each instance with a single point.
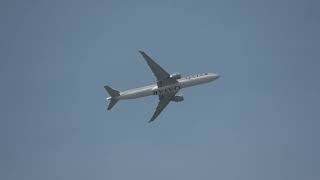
(163, 102)
(157, 70)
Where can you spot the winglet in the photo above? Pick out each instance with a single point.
(153, 118)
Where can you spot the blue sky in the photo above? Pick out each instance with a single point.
(260, 120)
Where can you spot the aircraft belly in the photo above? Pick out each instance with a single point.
(155, 90)
(136, 94)
(174, 88)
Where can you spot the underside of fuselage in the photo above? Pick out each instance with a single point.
(153, 89)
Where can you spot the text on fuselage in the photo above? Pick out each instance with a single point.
(166, 90)
(196, 75)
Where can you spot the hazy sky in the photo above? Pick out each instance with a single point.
(259, 121)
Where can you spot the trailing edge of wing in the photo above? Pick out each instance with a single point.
(157, 70)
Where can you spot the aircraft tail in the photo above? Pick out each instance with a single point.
(113, 93)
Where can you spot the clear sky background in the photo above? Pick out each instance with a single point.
(260, 120)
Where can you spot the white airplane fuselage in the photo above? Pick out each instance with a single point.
(153, 89)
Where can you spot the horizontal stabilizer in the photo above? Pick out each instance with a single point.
(112, 92)
(112, 103)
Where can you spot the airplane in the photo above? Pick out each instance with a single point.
(166, 87)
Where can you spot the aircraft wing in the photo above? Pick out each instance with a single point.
(157, 70)
(164, 100)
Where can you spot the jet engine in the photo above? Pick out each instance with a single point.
(177, 99)
(175, 76)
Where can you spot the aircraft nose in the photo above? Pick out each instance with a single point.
(214, 76)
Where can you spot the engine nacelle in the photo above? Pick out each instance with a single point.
(175, 76)
(177, 98)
